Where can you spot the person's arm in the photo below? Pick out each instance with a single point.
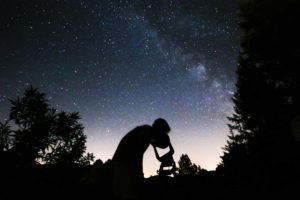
(171, 149)
(156, 153)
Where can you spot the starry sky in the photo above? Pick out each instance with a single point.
(123, 63)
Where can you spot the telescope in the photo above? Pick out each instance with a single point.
(167, 163)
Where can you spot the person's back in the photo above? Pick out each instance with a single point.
(132, 147)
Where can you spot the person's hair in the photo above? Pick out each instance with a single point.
(161, 125)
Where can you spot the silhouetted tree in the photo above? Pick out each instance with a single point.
(261, 147)
(186, 167)
(98, 163)
(67, 141)
(44, 134)
(33, 117)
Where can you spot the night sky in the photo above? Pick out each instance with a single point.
(126, 63)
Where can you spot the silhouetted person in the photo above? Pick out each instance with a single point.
(128, 158)
(167, 161)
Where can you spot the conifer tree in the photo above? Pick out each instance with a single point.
(261, 146)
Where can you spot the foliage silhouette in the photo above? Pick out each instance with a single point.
(98, 163)
(43, 134)
(67, 141)
(32, 116)
(186, 167)
(262, 152)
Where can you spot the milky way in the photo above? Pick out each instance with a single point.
(125, 63)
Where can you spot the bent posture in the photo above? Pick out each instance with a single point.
(128, 158)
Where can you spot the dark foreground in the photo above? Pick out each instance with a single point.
(94, 182)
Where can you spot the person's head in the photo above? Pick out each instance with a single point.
(160, 136)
